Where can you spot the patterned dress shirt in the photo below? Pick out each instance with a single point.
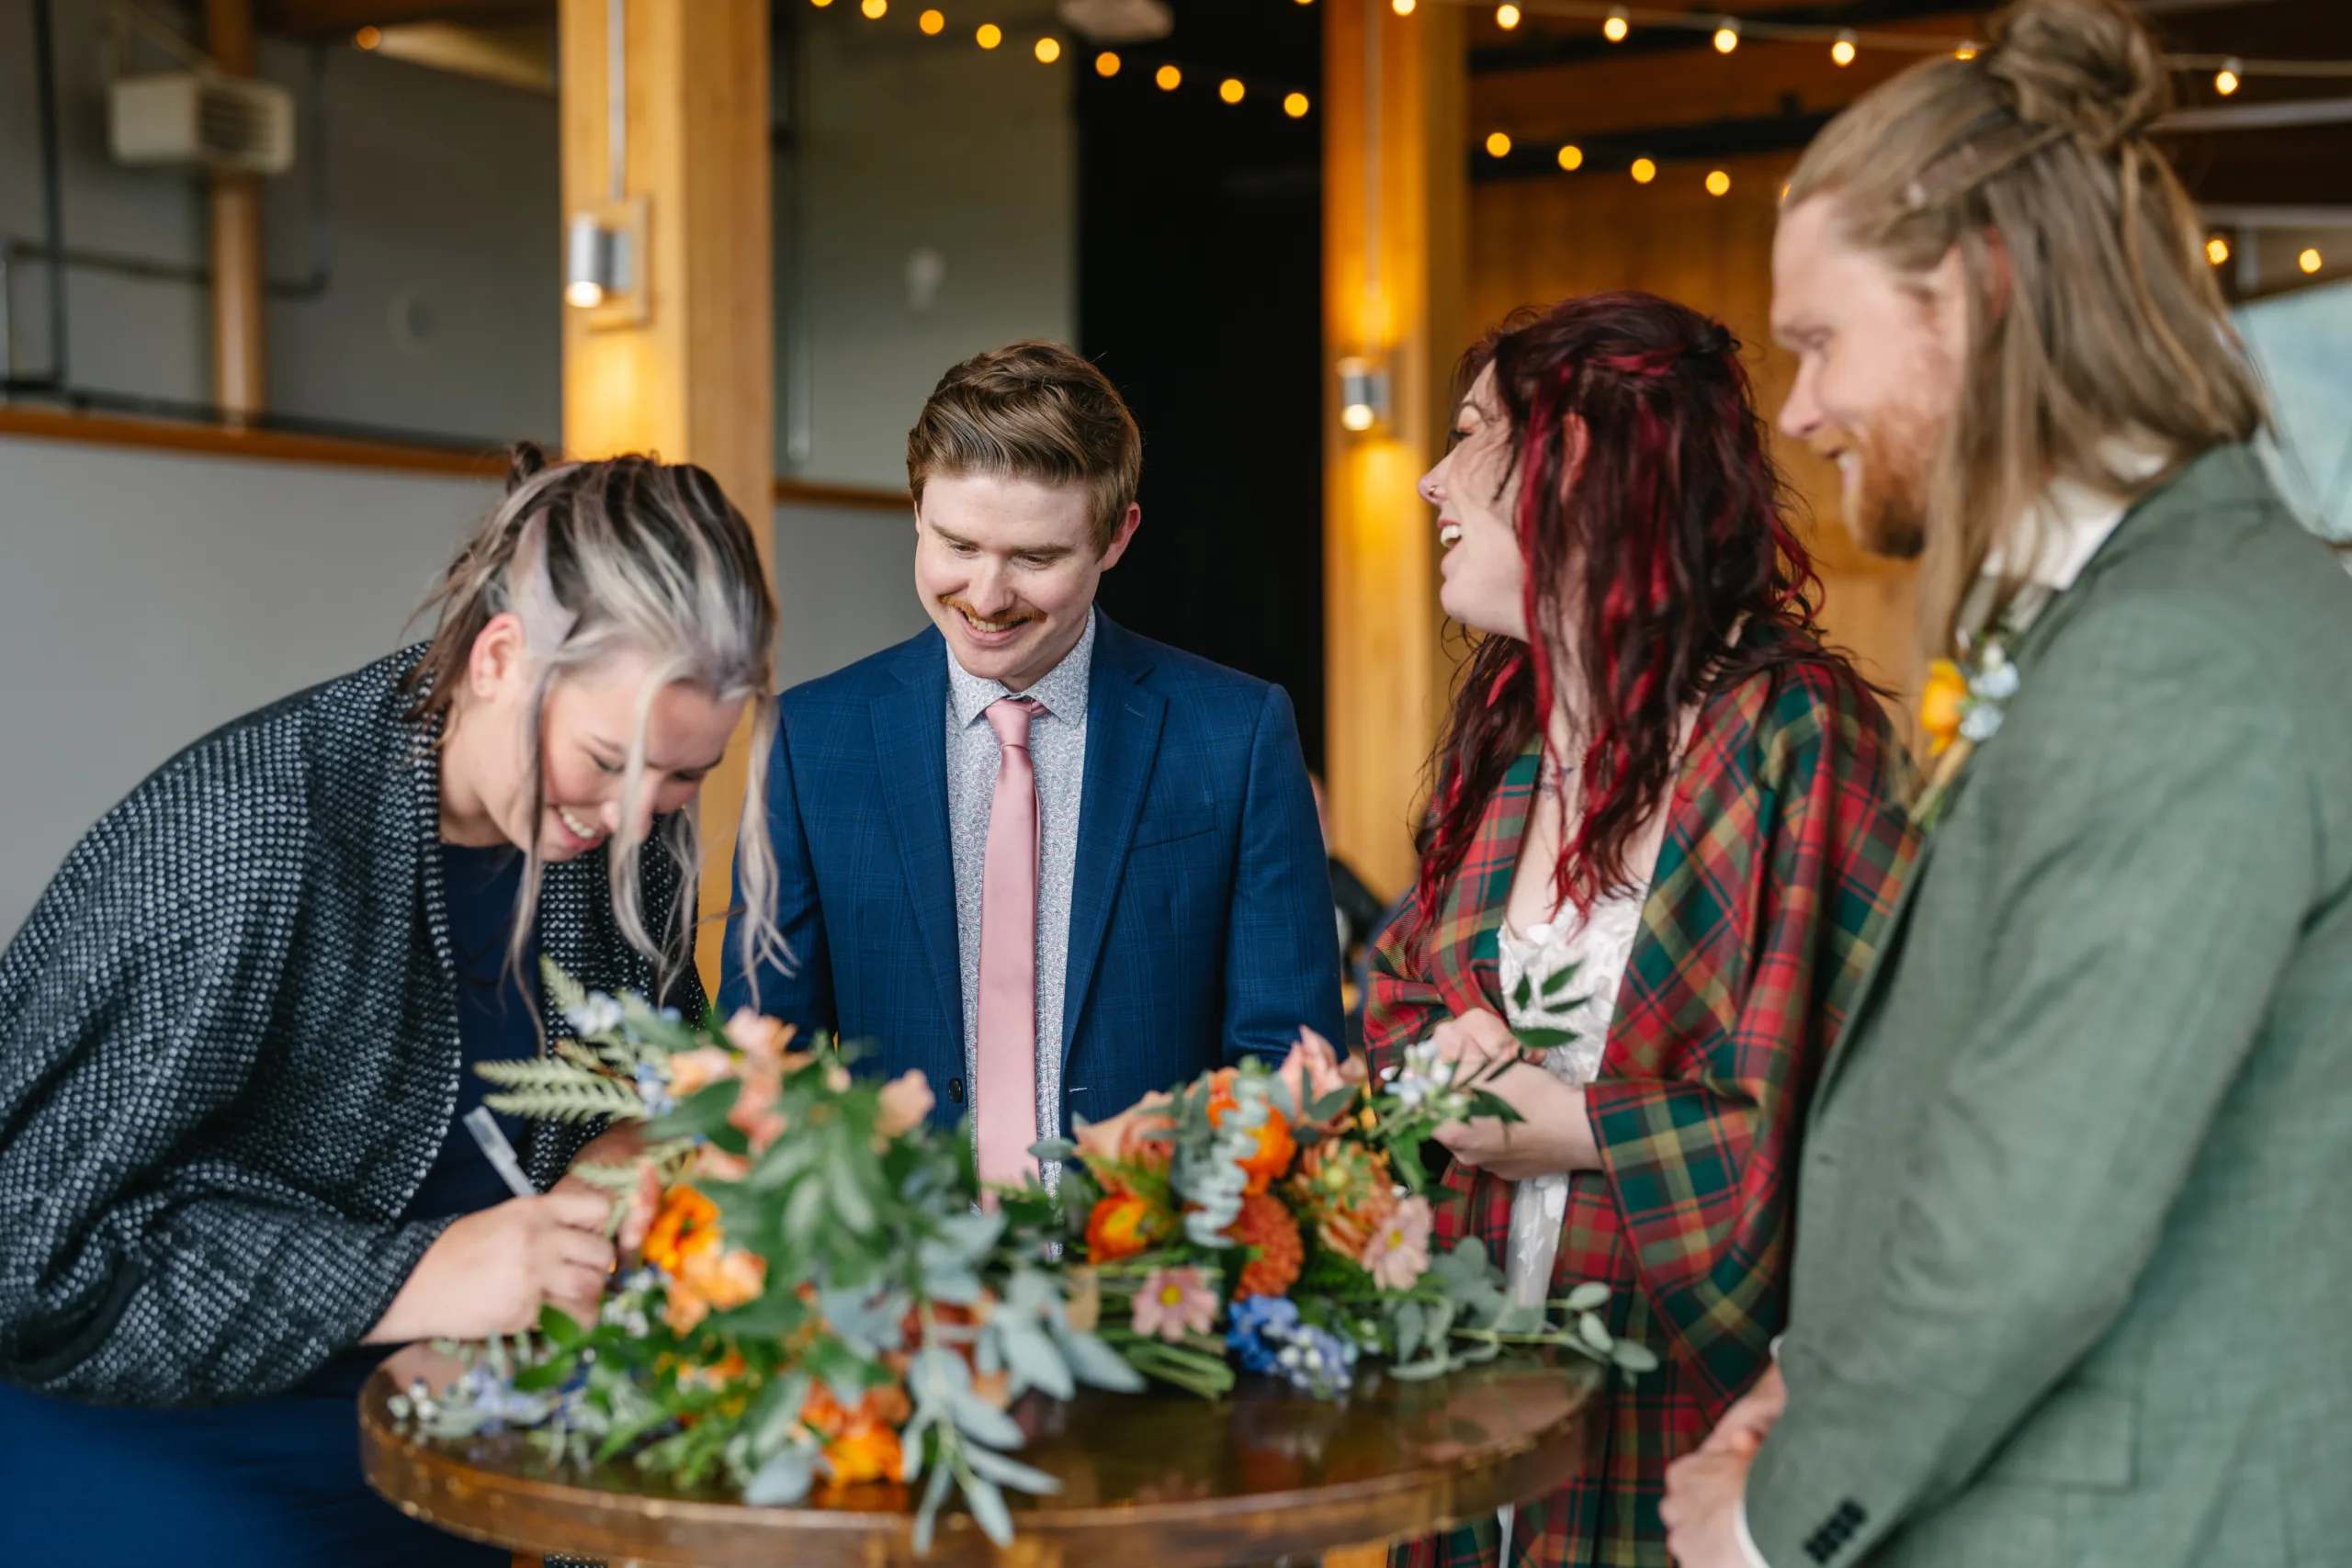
(1057, 747)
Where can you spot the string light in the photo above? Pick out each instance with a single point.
(2226, 81)
(1230, 89)
(1168, 78)
(821, 5)
(1572, 157)
(1295, 105)
(1049, 51)
(368, 37)
(990, 35)
(1615, 28)
(1505, 16)
(933, 23)
(1727, 36)
(1402, 8)
(1842, 51)
(1965, 51)
(1498, 144)
(2217, 250)
(1644, 171)
(1718, 183)
(1106, 64)
(874, 10)
(2310, 260)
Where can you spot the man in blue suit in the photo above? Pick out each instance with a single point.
(1051, 864)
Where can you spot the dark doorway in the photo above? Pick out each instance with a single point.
(1200, 295)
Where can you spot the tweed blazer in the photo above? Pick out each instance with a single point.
(229, 1053)
(2071, 1217)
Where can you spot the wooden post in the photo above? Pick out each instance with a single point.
(1395, 172)
(240, 362)
(693, 381)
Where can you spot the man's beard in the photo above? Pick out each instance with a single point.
(1887, 511)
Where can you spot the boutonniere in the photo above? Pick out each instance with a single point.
(1961, 707)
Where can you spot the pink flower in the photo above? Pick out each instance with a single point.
(1313, 1070)
(906, 1101)
(1173, 1302)
(763, 1037)
(1398, 1252)
(754, 1113)
(1141, 1135)
(692, 1071)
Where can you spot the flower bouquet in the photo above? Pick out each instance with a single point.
(1287, 1206)
(821, 1306)
(824, 1308)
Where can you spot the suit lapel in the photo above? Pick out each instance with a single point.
(911, 744)
(1123, 723)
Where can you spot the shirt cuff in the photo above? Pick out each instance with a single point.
(1747, 1541)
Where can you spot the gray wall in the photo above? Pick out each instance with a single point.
(444, 316)
(146, 597)
(913, 145)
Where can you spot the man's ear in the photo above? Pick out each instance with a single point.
(1126, 533)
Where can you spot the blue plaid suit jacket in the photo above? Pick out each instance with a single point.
(1201, 916)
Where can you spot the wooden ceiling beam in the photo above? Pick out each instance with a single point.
(328, 18)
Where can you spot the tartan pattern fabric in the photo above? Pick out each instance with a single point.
(1786, 841)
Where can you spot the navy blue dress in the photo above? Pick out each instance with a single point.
(275, 1481)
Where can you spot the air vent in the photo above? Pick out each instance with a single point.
(194, 120)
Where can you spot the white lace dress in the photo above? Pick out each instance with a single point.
(1598, 947)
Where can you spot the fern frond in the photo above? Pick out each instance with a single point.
(579, 1101)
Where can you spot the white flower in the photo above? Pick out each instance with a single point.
(1980, 723)
(1995, 682)
(599, 1014)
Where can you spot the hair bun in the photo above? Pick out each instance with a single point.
(525, 460)
(2089, 67)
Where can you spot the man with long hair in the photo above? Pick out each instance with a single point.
(2069, 1213)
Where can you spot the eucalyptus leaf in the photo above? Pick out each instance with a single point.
(973, 1234)
(699, 1115)
(782, 1481)
(1421, 1371)
(1010, 1472)
(1054, 1149)
(983, 1422)
(1589, 1329)
(1034, 1362)
(774, 1415)
(927, 1514)
(1587, 1296)
(987, 1503)
(1096, 1364)
(1633, 1358)
(1331, 1104)
(1410, 1320)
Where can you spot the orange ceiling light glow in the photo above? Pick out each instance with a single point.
(1726, 37)
(1615, 29)
(990, 35)
(933, 23)
(2217, 250)
(874, 9)
(1505, 16)
(1049, 51)
(368, 37)
(1843, 51)
(2311, 260)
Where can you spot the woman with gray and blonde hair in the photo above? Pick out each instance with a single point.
(237, 1034)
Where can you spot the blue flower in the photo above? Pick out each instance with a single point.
(597, 1014)
(1261, 1327)
(1318, 1361)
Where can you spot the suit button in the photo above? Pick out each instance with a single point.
(956, 1090)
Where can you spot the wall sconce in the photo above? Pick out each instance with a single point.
(604, 264)
(1364, 393)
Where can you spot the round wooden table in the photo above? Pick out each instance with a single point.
(1160, 1479)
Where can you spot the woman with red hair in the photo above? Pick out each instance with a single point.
(1664, 819)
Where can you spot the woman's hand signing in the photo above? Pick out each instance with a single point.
(1552, 1134)
(491, 1270)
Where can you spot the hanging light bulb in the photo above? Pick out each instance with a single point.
(1842, 51)
(1049, 51)
(1168, 78)
(1106, 64)
(990, 35)
(1505, 16)
(1295, 105)
(933, 23)
(1718, 182)
(1727, 36)
(2230, 76)
(2217, 250)
(1497, 145)
(1965, 51)
(1615, 29)
(1402, 8)
(2311, 260)
(1644, 171)
(1364, 393)
(1572, 157)
(1230, 89)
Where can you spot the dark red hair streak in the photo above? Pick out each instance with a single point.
(1647, 556)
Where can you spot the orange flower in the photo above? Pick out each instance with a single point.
(1265, 1224)
(1939, 702)
(1139, 1136)
(1121, 1225)
(1275, 1146)
(864, 1453)
(692, 1071)
(708, 1281)
(688, 1223)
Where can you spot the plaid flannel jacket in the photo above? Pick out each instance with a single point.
(1784, 843)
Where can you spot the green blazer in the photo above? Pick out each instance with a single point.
(2074, 1212)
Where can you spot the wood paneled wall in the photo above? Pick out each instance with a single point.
(1534, 242)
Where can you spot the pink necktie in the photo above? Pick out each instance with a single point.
(1007, 1021)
